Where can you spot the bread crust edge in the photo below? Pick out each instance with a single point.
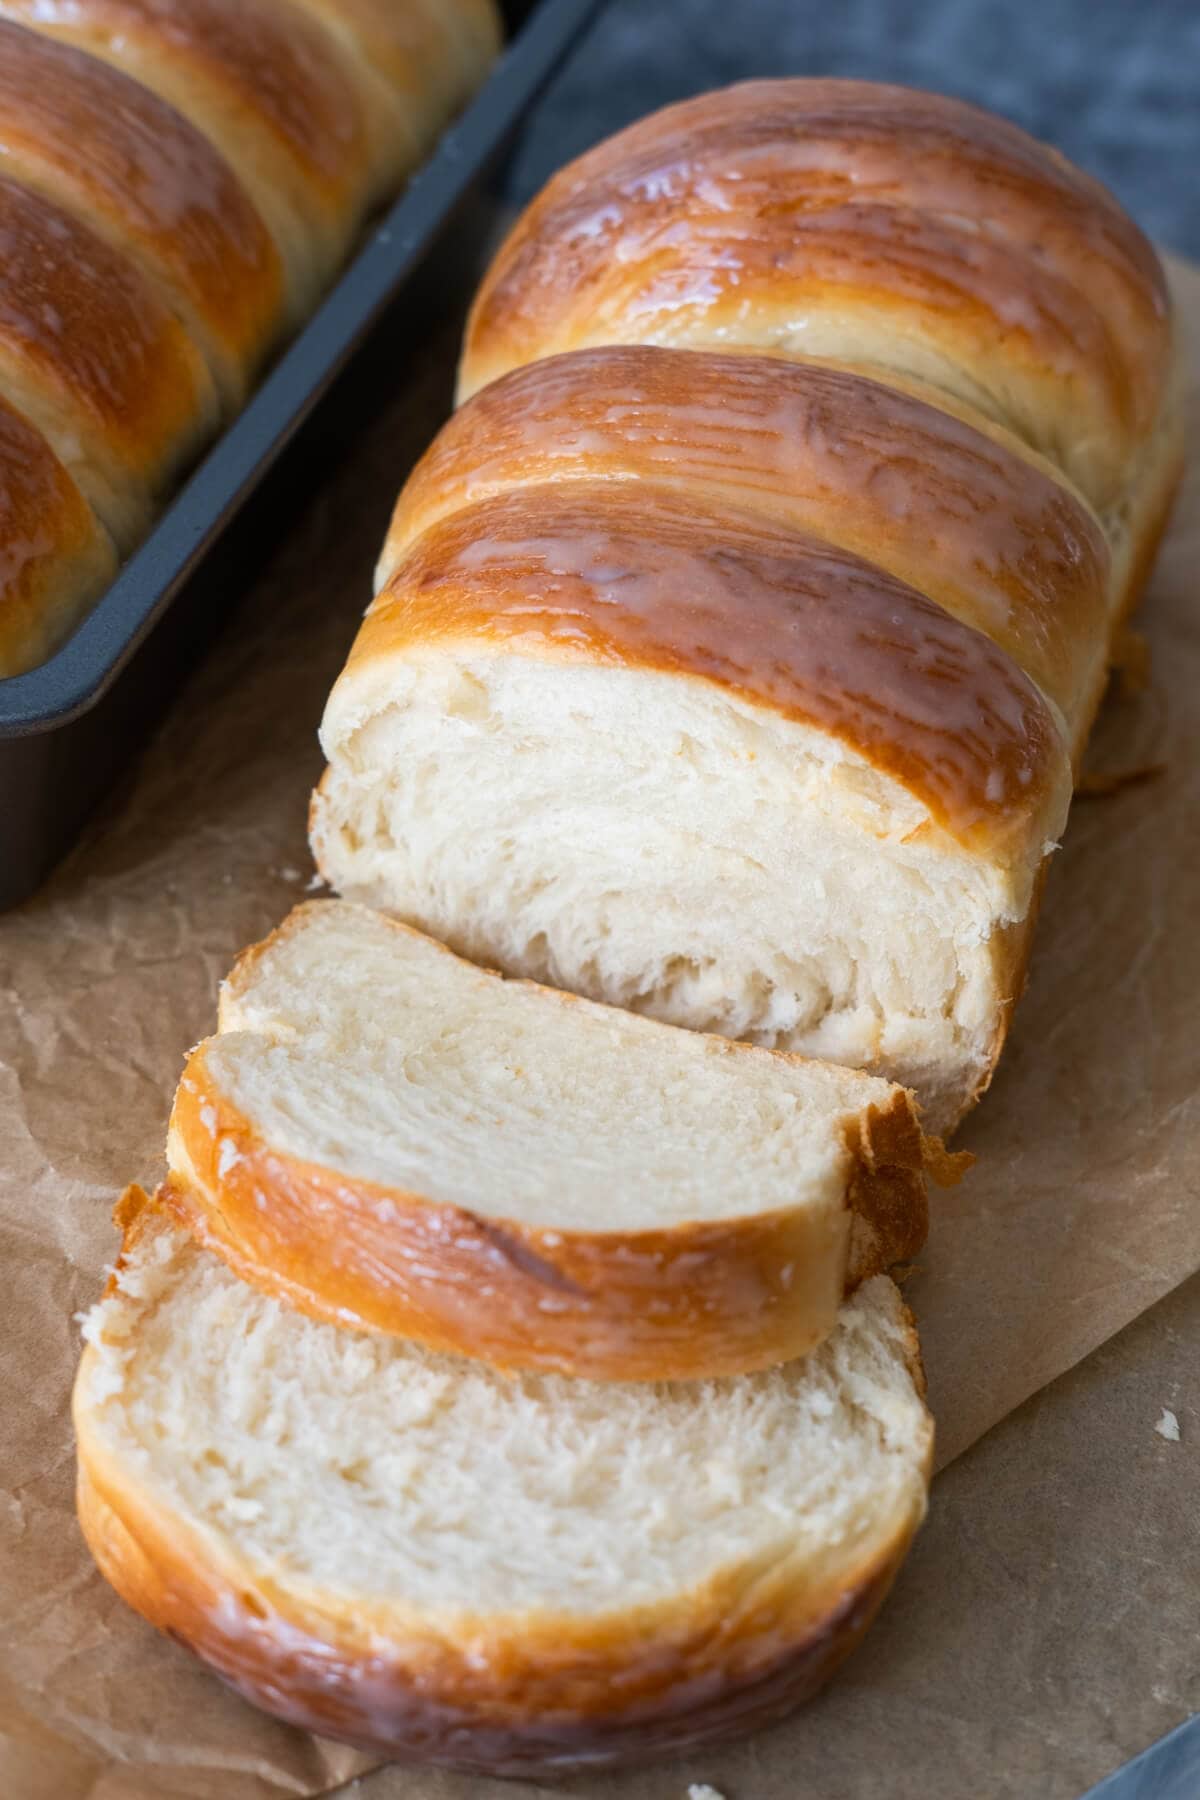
(510, 1695)
(695, 1300)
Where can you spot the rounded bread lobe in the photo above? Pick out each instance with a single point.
(104, 148)
(870, 223)
(956, 509)
(643, 577)
(431, 54)
(55, 556)
(90, 354)
(269, 87)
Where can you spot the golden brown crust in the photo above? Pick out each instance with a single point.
(701, 1299)
(433, 53)
(513, 1694)
(89, 352)
(161, 164)
(271, 64)
(270, 88)
(962, 514)
(784, 197)
(55, 557)
(507, 1695)
(1151, 511)
(109, 151)
(1154, 497)
(642, 1695)
(645, 577)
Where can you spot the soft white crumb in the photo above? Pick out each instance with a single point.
(700, 1790)
(289, 874)
(1168, 1426)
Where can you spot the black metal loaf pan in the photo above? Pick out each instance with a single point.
(69, 727)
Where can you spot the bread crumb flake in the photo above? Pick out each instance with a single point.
(1168, 1426)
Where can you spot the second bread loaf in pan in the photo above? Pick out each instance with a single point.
(181, 180)
(737, 674)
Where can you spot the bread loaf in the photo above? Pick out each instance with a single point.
(388, 1137)
(180, 182)
(733, 651)
(508, 1573)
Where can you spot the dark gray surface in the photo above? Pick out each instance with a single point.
(1114, 83)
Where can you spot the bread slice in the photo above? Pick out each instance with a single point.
(418, 1554)
(387, 1136)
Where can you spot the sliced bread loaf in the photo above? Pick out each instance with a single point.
(418, 1554)
(390, 1137)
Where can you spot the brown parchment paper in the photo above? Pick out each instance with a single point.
(1083, 1211)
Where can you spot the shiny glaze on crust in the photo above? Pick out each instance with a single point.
(151, 183)
(710, 1298)
(639, 576)
(86, 348)
(55, 558)
(729, 218)
(271, 65)
(977, 526)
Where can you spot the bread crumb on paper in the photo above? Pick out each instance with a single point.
(700, 1790)
(1168, 1426)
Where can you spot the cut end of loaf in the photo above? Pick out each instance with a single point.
(385, 1134)
(638, 837)
(750, 352)
(505, 1574)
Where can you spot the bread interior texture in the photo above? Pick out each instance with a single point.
(661, 845)
(360, 1046)
(371, 1474)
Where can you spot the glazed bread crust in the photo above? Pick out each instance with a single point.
(804, 215)
(55, 556)
(815, 404)
(431, 56)
(540, 1687)
(152, 184)
(943, 500)
(656, 1288)
(648, 578)
(96, 362)
(274, 90)
(180, 184)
